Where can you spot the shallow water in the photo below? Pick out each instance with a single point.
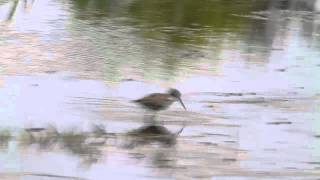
(248, 72)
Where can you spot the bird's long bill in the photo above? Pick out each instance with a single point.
(184, 107)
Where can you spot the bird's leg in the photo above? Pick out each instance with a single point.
(149, 118)
(146, 117)
(152, 118)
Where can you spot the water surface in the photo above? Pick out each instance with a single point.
(248, 72)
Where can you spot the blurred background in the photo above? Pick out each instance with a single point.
(248, 72)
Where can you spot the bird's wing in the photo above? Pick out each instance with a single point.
(150, 98)
(156, 99)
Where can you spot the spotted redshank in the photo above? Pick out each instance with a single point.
(160, 101)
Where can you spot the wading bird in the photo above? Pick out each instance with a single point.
(160, 101)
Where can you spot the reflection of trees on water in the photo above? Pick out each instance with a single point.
(186, 22)
(159, 39)
(96, 9)
(166, 33)
(12, 10)
(310, 5)
(15, 4)
(279, 20)
(172, 29)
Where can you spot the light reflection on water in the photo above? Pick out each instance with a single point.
(248, 73)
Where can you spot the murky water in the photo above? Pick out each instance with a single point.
(248, 72)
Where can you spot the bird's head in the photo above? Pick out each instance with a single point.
(176, 94)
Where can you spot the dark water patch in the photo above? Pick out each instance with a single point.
(34, 129)
(221, 125)
(5, 137)
(270, 149)
(35, 85)
(280, 123)
(231, 94)
(260, 100)
(255, 17)
(128, 80)
(281, 142)
(50, 72)
(277, 49)
(211, 106)
(248, 101)
(209, 143)
(201, 177)
(229, 160)
(216, 134)
(314, 163)
(196, 136)
(281, 70)
(92, 99)
(137, 155)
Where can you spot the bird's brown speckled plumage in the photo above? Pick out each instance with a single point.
(156, 101)
(160, 101)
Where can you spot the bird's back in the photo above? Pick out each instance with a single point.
(156, 101)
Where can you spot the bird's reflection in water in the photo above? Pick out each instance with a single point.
(149, 135)
(156, 146)
(90, 147)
